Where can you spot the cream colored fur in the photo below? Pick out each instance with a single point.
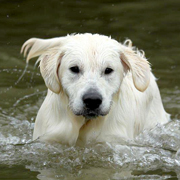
(131, 99)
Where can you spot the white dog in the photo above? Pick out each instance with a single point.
(98, 89)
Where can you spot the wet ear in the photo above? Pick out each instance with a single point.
(138, 65)
(50, 57)
(49, 67)
(35, 46)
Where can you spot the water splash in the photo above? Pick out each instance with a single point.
(27, 96)
(19, 79)
(138, 160)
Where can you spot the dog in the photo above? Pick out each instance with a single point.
(98, 90)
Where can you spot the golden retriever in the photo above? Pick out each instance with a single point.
(98, 89)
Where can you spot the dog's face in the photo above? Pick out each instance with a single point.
(90, 75)
(89, 69)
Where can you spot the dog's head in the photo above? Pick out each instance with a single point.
(88, 68)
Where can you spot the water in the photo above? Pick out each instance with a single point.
(153, 26)
(154, 155)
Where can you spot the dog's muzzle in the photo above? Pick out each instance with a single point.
(92, 102)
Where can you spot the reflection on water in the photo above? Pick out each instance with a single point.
(152, 25)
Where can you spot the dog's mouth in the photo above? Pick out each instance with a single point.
(90, 114)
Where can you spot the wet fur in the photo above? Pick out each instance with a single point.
(131, 98)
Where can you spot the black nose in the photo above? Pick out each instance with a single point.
(92, 101)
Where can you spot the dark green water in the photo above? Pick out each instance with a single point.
(153, 26)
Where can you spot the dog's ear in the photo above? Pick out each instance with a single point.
(49, 67)
(50, 54)
(35, 46)
(139, 66)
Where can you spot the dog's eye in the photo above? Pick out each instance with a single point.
(108, 71)
(75, 69)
